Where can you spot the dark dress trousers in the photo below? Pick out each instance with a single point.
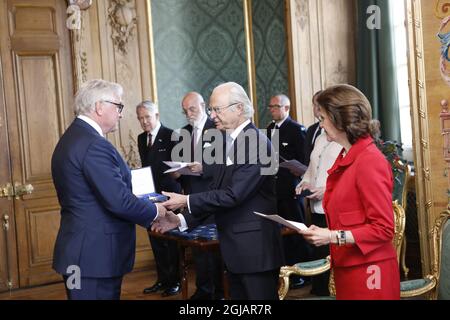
(164, 251)
(250, 245)
(98, 212)
(208, 264)
(292, 143)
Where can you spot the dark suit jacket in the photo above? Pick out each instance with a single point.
(154, 156)
(98, 210)
(291, 146)
(195, 184)
(310, 140)
(248, 242)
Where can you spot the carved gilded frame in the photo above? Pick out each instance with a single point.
(428, 200)
(419, 126)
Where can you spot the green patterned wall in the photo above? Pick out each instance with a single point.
(198, 44)
(269, 38)
(201, 43)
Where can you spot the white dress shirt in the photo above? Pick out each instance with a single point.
(92, 123)
(322, 159)
(278, 123)
(233, 135)
(154, 132)
(197, 128)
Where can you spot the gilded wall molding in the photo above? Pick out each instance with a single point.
(75, 24)
(428, 196)
(122, 18)
(302, 13)
(131, 153)
(250, 55)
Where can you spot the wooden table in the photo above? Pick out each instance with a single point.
(183, 244)
(206, 245)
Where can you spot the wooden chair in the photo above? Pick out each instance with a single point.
(402, 177)
(437, 283)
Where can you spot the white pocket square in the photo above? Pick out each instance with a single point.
(284, 144)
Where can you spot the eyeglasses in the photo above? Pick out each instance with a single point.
(271, 106)
(118, 105)
(218, 110)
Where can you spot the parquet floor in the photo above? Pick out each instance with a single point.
(132, 287)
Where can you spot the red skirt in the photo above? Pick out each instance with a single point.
(373, 281)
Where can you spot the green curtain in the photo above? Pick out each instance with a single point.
(376, 73)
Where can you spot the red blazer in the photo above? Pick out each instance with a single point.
(358, 197)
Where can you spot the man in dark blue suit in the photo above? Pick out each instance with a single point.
(155, 146)
(95, 245)
(250, 245)
(291, 141)
(208, 264)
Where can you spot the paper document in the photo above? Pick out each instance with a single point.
(180, 167)
(288, 223)
(293, 165)
(143, 186)
(142, 181)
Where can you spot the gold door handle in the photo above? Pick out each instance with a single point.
(22, 189)
(6, 222)
(7, 191)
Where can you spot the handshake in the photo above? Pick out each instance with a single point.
(167, 220)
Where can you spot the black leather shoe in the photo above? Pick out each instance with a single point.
(172, 290)
(158, 286)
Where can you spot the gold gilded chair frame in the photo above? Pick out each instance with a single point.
(324, 265)
(433, 278)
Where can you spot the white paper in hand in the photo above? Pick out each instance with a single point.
(298, 226)
(180, 167)
(142, 181)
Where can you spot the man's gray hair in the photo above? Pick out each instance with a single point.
(151, 107)
(94, 91)
(285, 101)
(238, 95)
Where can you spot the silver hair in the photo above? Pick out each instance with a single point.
(285, 101)
(94, 91)
(151, 107)
(237, 94)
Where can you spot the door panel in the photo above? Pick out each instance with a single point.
(36, 98)
(8, 258)
(39, 107)
(37, 223)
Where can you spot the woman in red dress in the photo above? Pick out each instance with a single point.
(357, 201)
